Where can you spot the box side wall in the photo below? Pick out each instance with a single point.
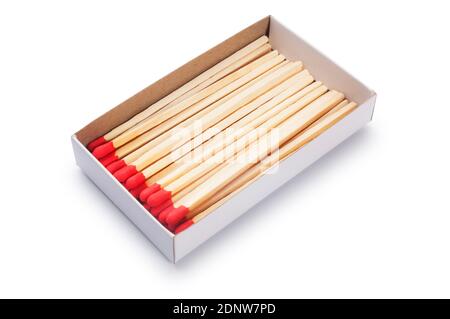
(238, 204)
(171, 82)
(151, 228)
(321, 67)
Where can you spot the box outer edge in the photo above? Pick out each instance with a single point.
(128, 205)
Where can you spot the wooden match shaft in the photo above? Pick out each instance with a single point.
(228, 70)
(334, 109)
(207, 96)
(287, 130)
(197, 128)
(301, 139)
(196, 183)
(279, 109)
(186, 87)
(238, 119)
(243, 75)
(217, 114)
(183, 133)
(244, 121)
(156, 211)
(135, 148)
(190, 171)
(181, 177)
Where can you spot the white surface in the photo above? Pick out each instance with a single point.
(371, 219)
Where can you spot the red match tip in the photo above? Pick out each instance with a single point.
(97, 142)
(165, 213)
(183, 226)
(152, 211)
(125, 172)
(108, 159)
(136, 191)
(135, 181)
(115, 166)
(176, 216)
(171, 227)
(103, 150)
(147, 207)
(148, 191)
(159, 197)
(157, 210)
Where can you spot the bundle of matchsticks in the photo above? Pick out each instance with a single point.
(189, 152)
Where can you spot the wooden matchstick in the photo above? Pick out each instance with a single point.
(256, 54)
(183, 175)
(207, 96)
(286, 130)
(317, 128)
(179, 92)
(155, 211)
(237, 121)
(239, 129)
(137, 147)
(217, 114)
(232, 128)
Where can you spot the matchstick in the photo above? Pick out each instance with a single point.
(234, 127)
(256, 54)
(237, 121)
(131, 151)
(179, 92)
(317, 128)
(269, 110)
(209, 120)
(287, 130)
(183, 175)
(156, 210)
(207, 96)
(285, 150)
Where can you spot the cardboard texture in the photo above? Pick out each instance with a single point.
(174, 247)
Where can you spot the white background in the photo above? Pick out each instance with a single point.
(370, 219)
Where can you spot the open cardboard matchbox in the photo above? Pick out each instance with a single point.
(174, 247)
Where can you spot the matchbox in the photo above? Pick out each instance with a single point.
(225, 211)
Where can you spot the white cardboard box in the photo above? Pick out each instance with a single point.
(175, 247)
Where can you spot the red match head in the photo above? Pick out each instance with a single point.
(97, 142)
(103, 150)
(177, 215)
(171, 227)
(125, 172)
(115, 166)
(162, 216)
(183, 226)
(136, 191)
(148, 191)
(159, 197)
(136, 180)
(108, 159)
(157, 210)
